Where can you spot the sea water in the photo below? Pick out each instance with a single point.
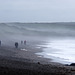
(60, 50)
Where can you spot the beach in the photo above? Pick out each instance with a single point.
(24, 61)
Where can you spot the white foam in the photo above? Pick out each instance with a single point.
(24, 49)
(39, 56)
(62, 49)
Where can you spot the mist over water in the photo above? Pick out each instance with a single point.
(59, 38)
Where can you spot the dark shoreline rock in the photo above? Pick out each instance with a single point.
(72, 64)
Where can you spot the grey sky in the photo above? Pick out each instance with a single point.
(37, 10)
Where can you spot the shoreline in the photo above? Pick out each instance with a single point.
(26, 62)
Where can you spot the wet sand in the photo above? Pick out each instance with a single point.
(23, 61)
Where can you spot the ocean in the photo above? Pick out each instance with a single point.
(58, 39)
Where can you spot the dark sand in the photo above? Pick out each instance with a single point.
(25, 62)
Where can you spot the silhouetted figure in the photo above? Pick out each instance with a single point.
(16, 44)
(25, 42)
(0, 42)
(21, 42)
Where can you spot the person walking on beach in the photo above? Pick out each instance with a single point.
(0, 42)
(25, 42)
(21, 42)
(16, 44)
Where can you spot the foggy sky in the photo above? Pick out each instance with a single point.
(37, 10)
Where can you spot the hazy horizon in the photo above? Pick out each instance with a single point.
(39, 22)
